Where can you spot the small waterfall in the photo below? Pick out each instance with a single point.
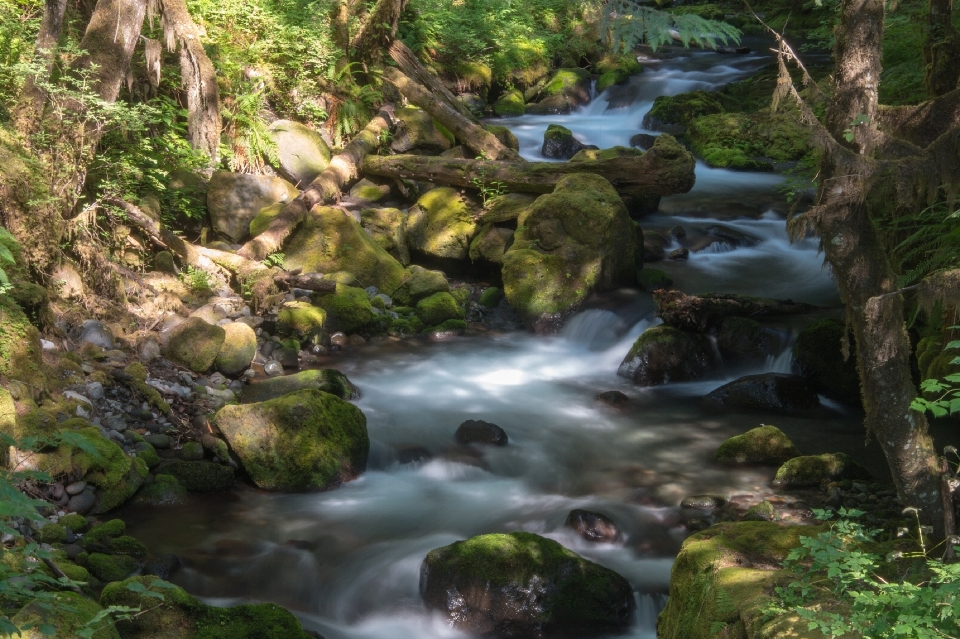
(595, 329)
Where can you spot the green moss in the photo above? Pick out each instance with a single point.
(238, 350)
(652, 279)
(557, 133)
(301, 318)
(680, 110)
(441, 224)
(75, 522)
(100, 535)
(152, 395)
(66, 619)
(328, 380)
(149, 457)
(813, 470)
(419, 283)
(52, 534)
(565, 80)
(763, 511)
(461, 294)
(20, 352)
(736, 140)
(114, 495)
(348, 309)
(449, 326)
(200, 477)
(165, 490)
(504, 135)
(386, 227)
(763, 445)
(127, 545)
(585, 155)
(438, 308)
(137, 371)
(306, 440)
(181, 616)
(510, 104)
(195, 344)
(110, 567)
(490, 297)
(476, 76)
(818, 356)
(624, 63)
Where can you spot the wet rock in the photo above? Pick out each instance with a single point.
(82, 503)
(818, 356)
(441, 224)
(160, 442)
(768, 392)
(643, 141)
(763, 445)
(559, 143)
(191, 451)
(273, 368)
(413, 454)
(306, 440)
(234, 199)
(348, 310)
(699, 313)
(327, 380)
(504, 135)
(709, 501)
(448, 329)
(96, 333)
(664, 354)
(301, 153)
(419, 283)
(813, 470)
(680, 254)
(613, 398)
(741, 339)
(763, 511)
(239, 347)
(477, 431)
(566, 90)
(520, 585)
(593, 526)
(164, 566)
(651, 279)
(438, 308)
(165, 490)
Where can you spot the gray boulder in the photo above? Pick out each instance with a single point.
(301, 152)
(235, 199)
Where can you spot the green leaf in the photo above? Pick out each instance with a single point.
(136, 586)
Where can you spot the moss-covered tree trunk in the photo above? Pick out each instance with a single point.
(941, 50)
(29, 108)
(866, 280)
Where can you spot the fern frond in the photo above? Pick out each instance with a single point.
(630, 23)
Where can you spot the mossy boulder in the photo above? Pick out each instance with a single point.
(504, 135)
(438, 308)
(369, 191)
(674, 113)
(419, 133)
(505, 208)
(110, 567)
(566, 90)
(73, 521)
(348, 309)
(260, 223)
(473, 75)
(763, 445)
(441, 224)
(302, 154)
(490, 297)
(51, 534)
(300, 318)
(521, 584)
(559, 143)
(588, 155)
(510, 104)
(235, 199)
(331, 241)
(664, 354)
(165, 490)
(328, 380)
(750, 142)
(724, 575)
(818, 356)
(813, 470)
(419, 283)
(387, 227)
(20, 351)
(741, 339)
(199, 477)
(98, 538)
(569, 243)
(616, 69)
(306, 440)
(194, 344)
(66, 619)
(179, 615)
(239, 347)
(490, 244)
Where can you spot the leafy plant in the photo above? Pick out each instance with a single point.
(251, 143)
(274, 259)
(6, 257)
(488, 190)
(946, 391)
(352, 106)
(197, 280)
(631, 23)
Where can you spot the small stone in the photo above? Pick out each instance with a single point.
(75, 488)
(74, 395)
(273, 368)
(94, 390)
(96, 333)
(477, 431)
(82, 503)
(704, 502)
(339, 339)
(613, 398)
(47, 345)
(593, 526)
(191, 451)
(371, 291)
(761, 512)
(680, 254)
(149, 351)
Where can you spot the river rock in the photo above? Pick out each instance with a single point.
(387, 227)
(504, 135)
(441, 224)
(419, 133)
(327, 380)
(438, 308)
(709, 501)
(740, 339)
(523, 585)
(301, 152)
(477, 431)
(559, 143)
(195, 344)
(419, 283)
(643, 141)
(766, 391)
(505, 208)
(96, 332)
(199, 476)
(331, 241)
(510, 104)
(568, 89)
(306, 440)
(238, 349)
(652, 279)
(664, 354)
(593, 526)
(569, 243)
(699, 313)
(234, 199)
(613, 398)
(490, 244)
(818, 356)
(763, 445)
(348, 309)
(813, 470)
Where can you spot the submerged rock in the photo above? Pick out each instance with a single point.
(523, 585)
(593, 526)
(613, 398)
(305, 440)
(768, 392)
(477, 431)
(813, 470)
(664, 354)
(763, 445)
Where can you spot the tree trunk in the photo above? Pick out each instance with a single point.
(198, 77)
(411, 67)
(325, 188)
(864, 276)
(377, 32)
(941, 49)
(653, 173)
(108, 43)
(29, 109)
(466, 130)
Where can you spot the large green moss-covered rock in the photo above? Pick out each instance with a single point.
(510, 104)
(71, 615)
(568, 243)
(239, 347)
(566, 90)
(419, 133)
(441, 224)
(504, 208)
(752, 142)
(331, 241)
(419, 283)
(110, 567)
(674, 113)
(812, 470)
(521, 584)
(300, 318)
(438, 308)
(559, 143)
(235, 199)
(763, 445)
(387, 227)
(195, 344)
(616, 69)
(327, 380)
(348, 309)
(490, 244)
(301, 153)
(818, 356)
(178, 615)
(165, 490)
(306, 440)
(664, 354)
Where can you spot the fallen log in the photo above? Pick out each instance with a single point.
(666, 169)
(474, 136)
(700, 313)
(413, 69)
(326, 188)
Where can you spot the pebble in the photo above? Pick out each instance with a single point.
(47, 345)
(149, 351)
(75, 488)
(115, 422)
(82, 503)
(386, 299)
(273, 368)
(74, 395)
(371, 291)
(94, 390)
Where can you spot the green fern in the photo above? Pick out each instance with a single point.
(630, 23)
(251, 142)
(924, 243)
(6, 257)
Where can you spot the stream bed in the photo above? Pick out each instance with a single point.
(347, 561)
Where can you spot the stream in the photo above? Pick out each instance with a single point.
(347, 561)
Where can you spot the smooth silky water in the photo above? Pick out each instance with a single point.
(347, 561)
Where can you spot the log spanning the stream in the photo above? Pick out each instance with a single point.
(666, 169)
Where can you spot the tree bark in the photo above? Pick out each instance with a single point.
(941, 49)
(325, 189)
(866, 280)
(653, 173)
(198, 76)
(410, 66)
(464, 129)
(29, 108)
(108, 43)
(378, 31)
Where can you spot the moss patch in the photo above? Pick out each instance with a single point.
(763, 445)
(260, 223)
(73, 613)
(348, 309)
(749, 142)
(194, 344)
(300, 318)
(438, 308)
(165, 490)
(418, 284)
(510, 104)
(328, 380)
(110, 567)
(813, 470)
(441, 224)
(199, 477)
(490, 297)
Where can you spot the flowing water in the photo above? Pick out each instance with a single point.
(347, 561)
